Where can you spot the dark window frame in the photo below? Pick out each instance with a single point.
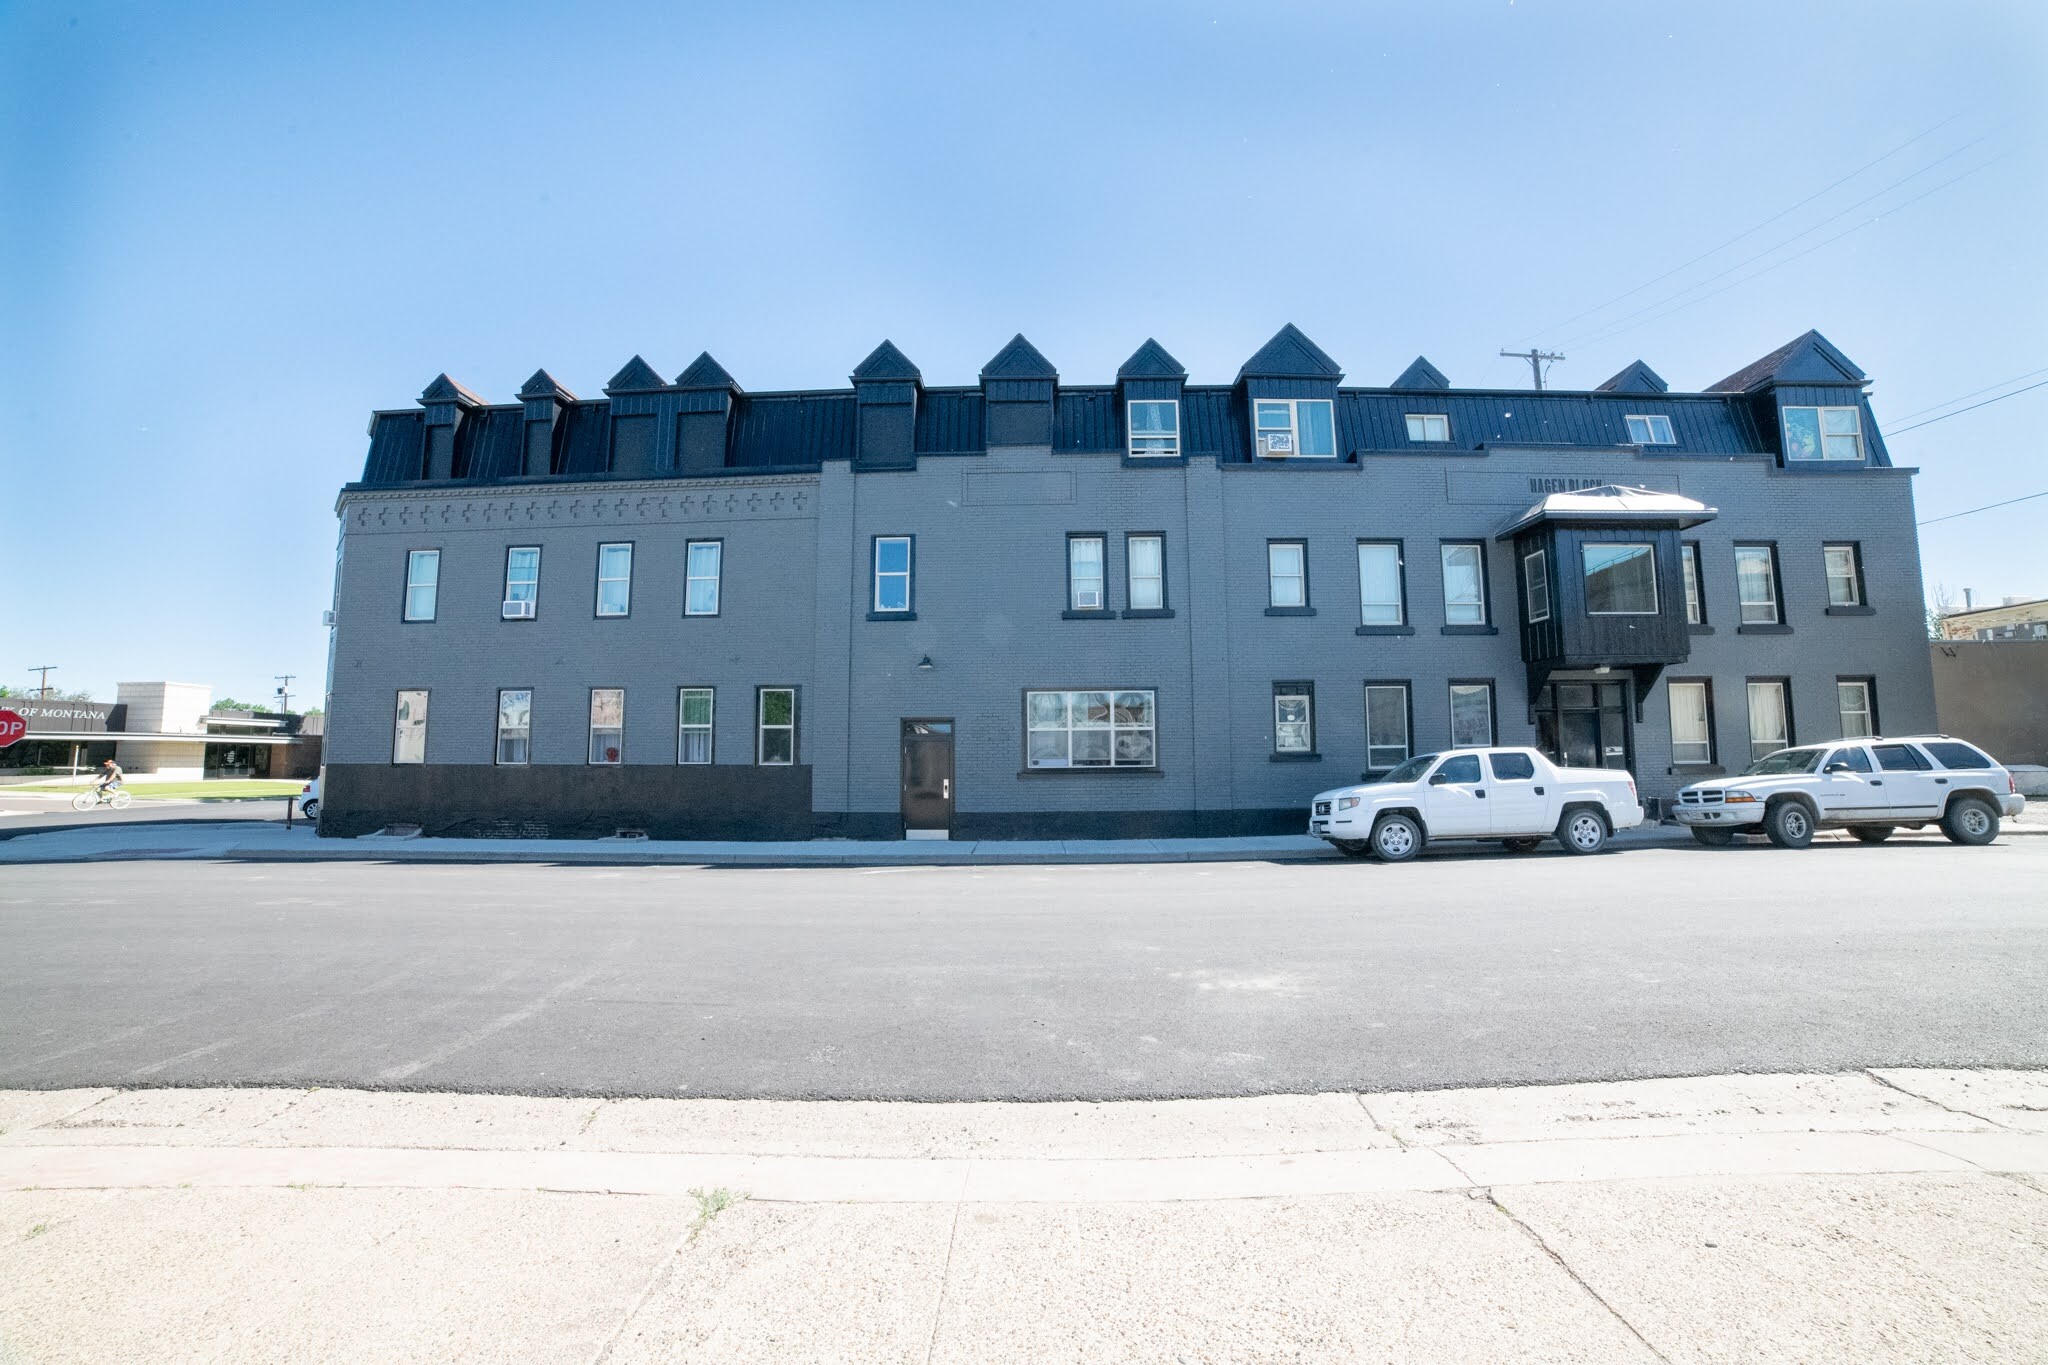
(1782, 625)
(497, 714)
(1157, 768)
(1407, 686)
(875, 612)
(597, 580)
(796, 720)
(1861, 606)
(1072, 612)
(1492, 711)
(1131, 613)
(1691, 554)
(1791, 722)
(1296, 687)
(405, 616)
(1486, 624)
(590, 725)
(1308, 600)
(428, 706)
(1713, 758)
(1406, 625)
(538, 559)
(710, 731)
(1869, 681)
(689, 545)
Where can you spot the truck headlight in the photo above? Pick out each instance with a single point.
(1347, 802)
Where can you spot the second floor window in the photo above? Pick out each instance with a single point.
(409, 739)
(1695, 601)
(522, 582)
(1155, 428)
(1286, 573)
(1536, 586)
(1621, 580)
(515, 724)
(1084, 574)
(614, 579)
(1823, 434)
(1286, 428)
(607, 725)
(892, 574)
(1845, 575)
(701, 564)
(1464, 583)
(422, 584)
(1381, 601)
(1145, 571)
(1756, 584)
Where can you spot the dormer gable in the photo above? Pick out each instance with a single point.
(545, 387)
(884, 364)
(1422, 375)
(1019, 360)
(1151, 361)
(637, 376)
(886, 389)
(706, 373)
(1017, 387)
(446, 390)
(1291, 355)
(1635, 378)
(1809, 358)
(446, 405)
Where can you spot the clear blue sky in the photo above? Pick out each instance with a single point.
(228, 233)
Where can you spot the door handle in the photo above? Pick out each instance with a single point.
(1877, 782)
(1941, 782)
(1539, 791)
(1479, 792)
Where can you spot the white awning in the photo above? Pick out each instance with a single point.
(1613, 504)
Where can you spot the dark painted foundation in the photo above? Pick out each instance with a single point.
(547, 801)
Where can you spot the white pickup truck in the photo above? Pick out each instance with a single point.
(1514, 795)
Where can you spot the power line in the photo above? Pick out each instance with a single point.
(1602, 330)
(1797, 255)
(1986, 508)
(1909, 416)
(1539, 361)
(1972, 408)
(1748, 232)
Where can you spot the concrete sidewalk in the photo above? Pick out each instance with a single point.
(1890, 1216)
(272, 842)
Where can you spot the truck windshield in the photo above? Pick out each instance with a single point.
(1412, 770)
(1784, 761)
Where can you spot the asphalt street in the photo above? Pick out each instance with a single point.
(1025, 982)
(39, 812)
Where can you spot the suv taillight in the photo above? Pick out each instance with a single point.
(2012, 784)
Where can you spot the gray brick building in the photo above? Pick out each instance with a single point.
(1023, 608)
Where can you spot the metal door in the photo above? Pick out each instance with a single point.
(927, 778)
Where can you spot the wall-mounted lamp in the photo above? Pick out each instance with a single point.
(925, 664)
(1604, 668)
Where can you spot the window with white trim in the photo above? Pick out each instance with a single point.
(607, 725)
(1464, 564)
(1692, 727)
(1286, 573)
(1695, 600)
(1823, 434)
(1653, 429)
(1294, 718)
(522, 583)
(1854, 698)
(703, 563)
(1154, 427)
(515, 725)
(1145, 573)
(1386, 726)
(1429, 426)
(1621, 580)
(1471, 715)
(1294, 428)
(1085, 574)
(892, 574)
(1756, 584)
(615, 579)
(1845, 574)
(1769, 724)
(775, 713)
(1382, 600)
(422, 584)
(1536, 586)
(1106, 728)
(693, 725)
(409, 737)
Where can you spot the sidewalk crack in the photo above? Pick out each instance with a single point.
(945, 1276)
(1929, 1099)
(1378, 1127)
(1562, 1264)
(664, 1270)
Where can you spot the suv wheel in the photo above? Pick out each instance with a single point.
(1713, 838)
(1582, 831)
(1789, 825)
(1970, 820)
(1396, 838)
(1871, 834)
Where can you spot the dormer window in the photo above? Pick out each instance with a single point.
(1652, 430)
(1294, 428)
(1154, 429)
(1823, 434)
(1428, 426)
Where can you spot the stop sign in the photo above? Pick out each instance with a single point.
(12, 727)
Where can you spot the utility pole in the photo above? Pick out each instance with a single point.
(284, 693)
(1537, 360)
(43, 690)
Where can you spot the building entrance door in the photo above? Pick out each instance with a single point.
(928, 779)
(1585, 725)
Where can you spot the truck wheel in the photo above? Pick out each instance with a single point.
(1789, 825)
(1520, 845)
(1870, 834)
(1352, 848)
(1970, 820)
(1582, 831)
(1713, 838)
(1396, 838)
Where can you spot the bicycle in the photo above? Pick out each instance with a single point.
(92, 800)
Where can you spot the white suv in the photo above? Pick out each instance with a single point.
(1868, 786)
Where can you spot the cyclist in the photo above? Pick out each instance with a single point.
(110, 777)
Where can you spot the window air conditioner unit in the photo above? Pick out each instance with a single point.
(327, 618)
(519, 611)
(1088, 600)
(1276, 444)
